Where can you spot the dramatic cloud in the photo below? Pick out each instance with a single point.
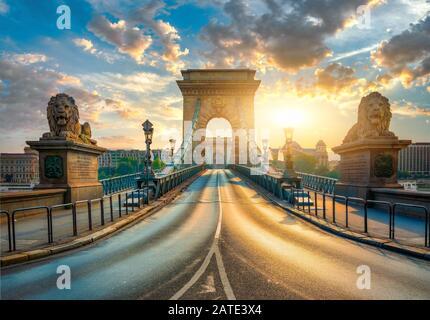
(27, 93)
(141, 21)
(287, 35)
(129, 40)
(26, 90)
(139, 82)
(406, 56)
(88, 46)
(27, 58)
(334, 81)
(167, 34)
(409, 109)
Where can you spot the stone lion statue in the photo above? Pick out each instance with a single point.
(374, 118)
(63, 119)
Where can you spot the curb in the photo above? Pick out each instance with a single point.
(340, 231)
(22, 257)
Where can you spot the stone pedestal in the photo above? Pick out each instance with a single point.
(368, 163)
(69, 165)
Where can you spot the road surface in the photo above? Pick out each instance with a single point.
(221, 240)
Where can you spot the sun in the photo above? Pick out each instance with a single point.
(289, 117)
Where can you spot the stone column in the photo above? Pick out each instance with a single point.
(67, 153)
(366, 164)
(369, 152)
(69, 165)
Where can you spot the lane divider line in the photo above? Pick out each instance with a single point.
(221, 269)
(196, 276)
(214, 250)
(223, 275)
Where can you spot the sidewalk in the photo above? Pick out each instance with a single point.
(32, 231)
(408, 230)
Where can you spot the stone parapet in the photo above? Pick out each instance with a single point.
(11, 201)
(69, 165)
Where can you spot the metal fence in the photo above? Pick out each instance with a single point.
(318, 183)
(82, 216)
(120, 183)
(301, 200)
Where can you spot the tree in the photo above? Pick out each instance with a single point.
(126, 166)
(333, 174)
(322, 171)
(305, 163)
(158, 164)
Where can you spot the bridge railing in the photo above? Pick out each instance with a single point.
(120, 183)
(271, 183)
(62, 221)
(318, 183)
(337, 209)
(163, 184)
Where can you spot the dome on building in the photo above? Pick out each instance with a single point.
(321, 143)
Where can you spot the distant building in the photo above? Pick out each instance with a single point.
(415, 159)
(332, 164)
(20, 167)
(111, 158)
(320, 152)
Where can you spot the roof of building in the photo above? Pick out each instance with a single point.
(321, 143)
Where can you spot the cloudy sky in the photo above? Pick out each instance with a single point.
(120, 60)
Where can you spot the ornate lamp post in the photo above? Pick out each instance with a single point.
(274, 152)
(290, 175)
(172, 149)
(265, 155)
(148, 129)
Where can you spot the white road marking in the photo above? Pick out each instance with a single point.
(214, 250)
(223, 275)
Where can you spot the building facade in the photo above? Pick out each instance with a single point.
(22, 168)
(320, 152)
(111, 158)
(415, 159)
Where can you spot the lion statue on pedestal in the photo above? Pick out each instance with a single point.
(374, 118)
(63, 119)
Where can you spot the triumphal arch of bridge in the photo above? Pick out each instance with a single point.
(218, 93)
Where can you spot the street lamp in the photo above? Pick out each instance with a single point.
(148, 129)
(290, 175)
(288, 162)
(274, 152)
(172, 148)
(265, 156)
(289, 134)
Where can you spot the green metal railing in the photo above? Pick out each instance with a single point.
(120, 183)
(317, 183)
(271, 183)
(115, 203)
(166, 183)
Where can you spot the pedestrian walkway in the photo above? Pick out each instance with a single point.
(408, 229)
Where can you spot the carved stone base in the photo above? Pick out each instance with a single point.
(370, 163)
(71, 166)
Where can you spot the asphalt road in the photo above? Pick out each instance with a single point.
(221, 240)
